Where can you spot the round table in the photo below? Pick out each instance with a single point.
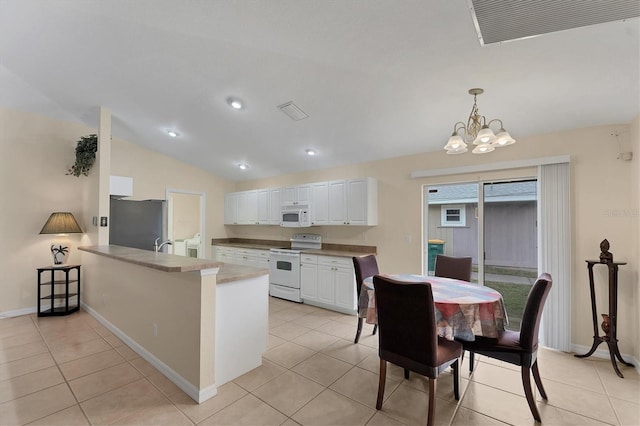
(463, 310)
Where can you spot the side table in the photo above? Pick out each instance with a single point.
(62, 288)
(610, 320)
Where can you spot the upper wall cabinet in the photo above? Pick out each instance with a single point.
(275, 200)
(231, 208)
(300, 194)
(337, 202)
(254, 207)
(264, 204)
(120, 186)
(353, 202)
(320, 203)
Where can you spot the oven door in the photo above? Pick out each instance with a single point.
(284, 269)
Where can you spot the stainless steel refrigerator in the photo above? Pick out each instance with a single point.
(137, 224)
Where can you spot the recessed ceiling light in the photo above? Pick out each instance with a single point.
(310, 152)
(243, 166)
(235, 103)
(172, 133)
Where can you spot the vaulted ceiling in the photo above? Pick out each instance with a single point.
(377, 78)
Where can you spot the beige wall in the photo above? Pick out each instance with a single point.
(601, 185)
(186, 215)
(35, 153)
(153, 173)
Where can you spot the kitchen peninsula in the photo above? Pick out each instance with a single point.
(200, 322)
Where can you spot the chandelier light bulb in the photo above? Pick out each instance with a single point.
(485, 136)
(503, 138)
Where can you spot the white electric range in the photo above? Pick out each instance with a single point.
(284, 266)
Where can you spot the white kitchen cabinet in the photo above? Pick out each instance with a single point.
(275, 201)
(309, 278)
(353, 202)
(241, 256)
(335, 285)
(231, 208)
(247, 208)
(120, 186)
(264, 207)
(293, 195)
(223, 253)
(337, 202)
(320, 203)
(345, 288)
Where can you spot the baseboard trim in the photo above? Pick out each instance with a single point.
(604, 354)
(198, 395)
(18, 312)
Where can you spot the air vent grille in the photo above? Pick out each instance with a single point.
(504, 20)
(293, 111)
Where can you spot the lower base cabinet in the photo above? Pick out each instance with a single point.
(241, 256)
(330, 284)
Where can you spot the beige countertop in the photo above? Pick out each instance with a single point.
(160, 261)
(255, 246)
(173, 263)
(229, 272)
(338, 250)
(337, 253)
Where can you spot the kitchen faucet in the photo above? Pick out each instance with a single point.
(157, 247)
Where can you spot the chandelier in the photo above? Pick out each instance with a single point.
(477, 131)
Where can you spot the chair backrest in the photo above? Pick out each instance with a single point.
(458, 268)
(365, 267)
(406, 322)
(533, 312)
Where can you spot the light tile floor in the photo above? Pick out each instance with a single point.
(73, 371)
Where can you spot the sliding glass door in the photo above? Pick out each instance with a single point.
(510, 243)
(495, 224)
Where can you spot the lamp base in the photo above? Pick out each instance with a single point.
(59, 253)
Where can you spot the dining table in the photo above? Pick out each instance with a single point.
(463, 309)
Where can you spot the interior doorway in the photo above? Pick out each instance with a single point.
(186, 222)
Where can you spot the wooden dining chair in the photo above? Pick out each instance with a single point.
(458, 268)
(519, 347)
(408, 336)
(365, 267)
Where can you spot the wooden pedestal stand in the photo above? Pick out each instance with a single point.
(610, 323)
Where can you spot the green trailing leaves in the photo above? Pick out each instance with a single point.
(85, 155)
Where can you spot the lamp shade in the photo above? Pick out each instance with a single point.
(61, 223)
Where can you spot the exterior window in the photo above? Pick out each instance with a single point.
(453, 215)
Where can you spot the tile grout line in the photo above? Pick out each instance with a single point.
(35, 323)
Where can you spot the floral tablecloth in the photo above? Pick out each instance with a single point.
(463, 310)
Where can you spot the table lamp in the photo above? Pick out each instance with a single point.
(60, 223)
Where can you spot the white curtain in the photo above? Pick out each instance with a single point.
(554, 253)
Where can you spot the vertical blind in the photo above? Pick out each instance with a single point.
(554, 253)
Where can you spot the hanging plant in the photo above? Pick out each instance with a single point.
(85, 155)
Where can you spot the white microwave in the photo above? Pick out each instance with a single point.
(298, 216)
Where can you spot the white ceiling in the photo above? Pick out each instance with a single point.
(378, 78)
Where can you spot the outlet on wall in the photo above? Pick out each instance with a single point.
(155, 330)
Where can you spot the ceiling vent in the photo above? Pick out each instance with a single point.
(497, 21)
(293, 111)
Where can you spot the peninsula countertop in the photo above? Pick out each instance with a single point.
(150, 259)
(173, 263)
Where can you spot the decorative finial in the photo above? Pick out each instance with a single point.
(605, 256)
